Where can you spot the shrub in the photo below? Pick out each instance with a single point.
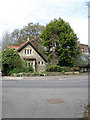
(26, 69)
(11, 75)
(17, 75)
(30, 69)
(36, 73)
(63, 72)
(15, 70)
(74, 69)
(65, 69)
(10, 60)
(53, 68)
(41, 74)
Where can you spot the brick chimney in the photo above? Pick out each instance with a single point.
(33, 42)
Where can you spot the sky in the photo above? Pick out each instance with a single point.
(14, 14)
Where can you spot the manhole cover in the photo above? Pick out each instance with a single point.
(54, 101)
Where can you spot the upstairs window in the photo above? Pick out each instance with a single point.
(25, 51)
(28, 51)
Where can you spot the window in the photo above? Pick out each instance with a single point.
(25, 51)
(39, 62)
(28, 51)
(42, 62)
(32, 64)
(28, 64)
(83, 58)
(82, 49)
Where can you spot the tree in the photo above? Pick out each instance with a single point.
(17, 37)
(6, 40)
(81, 60)
(10, 60)
(60, 41)
(32, 31)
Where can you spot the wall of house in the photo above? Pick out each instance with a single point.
(40, 64)
(84, 47)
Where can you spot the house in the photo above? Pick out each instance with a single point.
(85, 52)
(33, 57)
(84, 48)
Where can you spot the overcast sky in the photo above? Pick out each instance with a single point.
(14, 14)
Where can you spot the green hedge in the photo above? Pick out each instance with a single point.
(22, 69)
(56, 68)
(53, 68)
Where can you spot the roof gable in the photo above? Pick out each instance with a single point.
(29, 43)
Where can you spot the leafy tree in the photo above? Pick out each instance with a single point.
(60, 41)
(32, 31)
(10, 60)
(6, 40)
(81, 60)
(17, 37)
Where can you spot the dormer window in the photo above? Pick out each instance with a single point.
(30, 51)
(27, 51)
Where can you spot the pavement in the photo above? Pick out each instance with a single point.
(61, 77)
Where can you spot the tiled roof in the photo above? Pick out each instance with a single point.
(23, 44)
(18, 47)
(14, 47)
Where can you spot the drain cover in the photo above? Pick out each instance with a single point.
(54, 101)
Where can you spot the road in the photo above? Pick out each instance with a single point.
(44, 97)
(53, 83)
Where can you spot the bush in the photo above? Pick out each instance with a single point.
(15, 70)
(10, 61)
(26, 69)
(65, 69)
(63, 72)
(41, 74)
(74, 69)
(56, 68)
(22, 69)
(53, 68)
(36, 73)
(17, 75)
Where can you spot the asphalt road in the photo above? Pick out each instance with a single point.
(53, 82)
(32, 97)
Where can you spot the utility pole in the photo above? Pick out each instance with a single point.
(89, 53)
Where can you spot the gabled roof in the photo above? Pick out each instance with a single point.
(23, 44)
(14, 47)
(19, 48)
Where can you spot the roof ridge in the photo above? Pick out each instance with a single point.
(24, 43)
